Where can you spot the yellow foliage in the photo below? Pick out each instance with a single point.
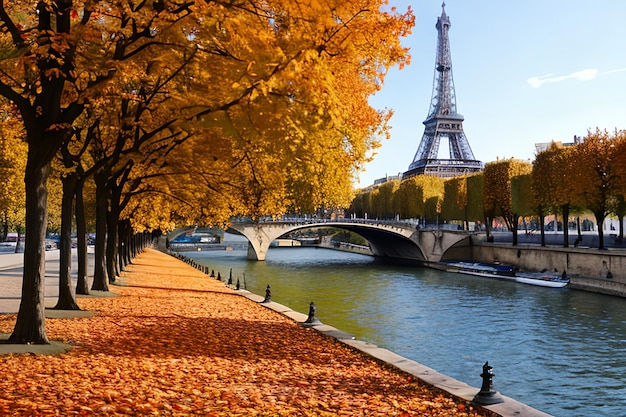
(276, 92)
(13, 151)
(497, 187)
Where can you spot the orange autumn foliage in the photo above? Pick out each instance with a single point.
(175, 342)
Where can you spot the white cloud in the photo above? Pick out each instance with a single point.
(584, 75)
(614, 71)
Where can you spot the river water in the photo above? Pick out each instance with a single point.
(560, 351)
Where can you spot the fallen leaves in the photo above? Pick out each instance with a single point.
(175, 342)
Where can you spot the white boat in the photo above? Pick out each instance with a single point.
(505, 272)
(542, 279)
(482, 270)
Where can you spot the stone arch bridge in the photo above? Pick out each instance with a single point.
(390, 240)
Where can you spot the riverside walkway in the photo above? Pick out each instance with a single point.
(171, 341)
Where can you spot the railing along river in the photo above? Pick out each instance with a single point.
(558, 350)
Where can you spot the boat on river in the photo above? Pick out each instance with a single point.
(505, 272)
(542, 279)
(481, 269)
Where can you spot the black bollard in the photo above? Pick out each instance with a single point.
(230, 277)
(487, 395)
(212, 274)
(268, 294)
(238, 287)
(219, 276)
(311, 319)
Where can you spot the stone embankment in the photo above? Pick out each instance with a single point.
(589, 269)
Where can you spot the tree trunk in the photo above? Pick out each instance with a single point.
(565, 209)
(125, 244)
(131, 250)
(113, 228)
(66, 298)
(5, 226)
(18, 239)
(82, 287)
(600, 221)
(30, 325)
(122, 245)
(513, 226)
(111, 245)
(100, 280)
(542, 230)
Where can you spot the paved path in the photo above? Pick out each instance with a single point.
(11, 271)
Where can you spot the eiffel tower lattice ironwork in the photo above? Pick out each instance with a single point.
(443, 121)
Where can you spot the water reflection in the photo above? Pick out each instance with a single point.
(558, 350)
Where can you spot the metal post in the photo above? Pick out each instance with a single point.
(487, 395)
(311, 319)
(268, 294)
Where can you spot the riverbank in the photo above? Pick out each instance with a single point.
(589, 269)
(175, 342)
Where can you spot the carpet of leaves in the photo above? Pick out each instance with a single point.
(175, 342)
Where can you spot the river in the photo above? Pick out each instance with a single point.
(560, 351)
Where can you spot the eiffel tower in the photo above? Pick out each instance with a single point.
(443, 121)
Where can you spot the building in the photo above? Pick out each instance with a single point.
(544, 146)
(443, 121)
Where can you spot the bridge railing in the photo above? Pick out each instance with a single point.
(414, 223)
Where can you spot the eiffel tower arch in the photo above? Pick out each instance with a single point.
(443, 121)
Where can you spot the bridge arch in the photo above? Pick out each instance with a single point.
(396, 241)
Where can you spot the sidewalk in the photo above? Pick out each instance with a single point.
(11, 270)
(176, 342)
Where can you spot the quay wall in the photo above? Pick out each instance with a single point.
(589, 269)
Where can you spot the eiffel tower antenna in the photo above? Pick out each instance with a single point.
(443, 121)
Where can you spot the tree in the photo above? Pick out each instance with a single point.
(552, 187)
(384, 199)
(454, 206)
(36, 74)
(409, 199)
(475, 206)
(562, 168)
(497, 191)
(596, 176)
(64, 184)
(521, 195)
(433, 191)
(361, 205)
(544, 183)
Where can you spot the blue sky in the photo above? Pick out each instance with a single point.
(525, 72)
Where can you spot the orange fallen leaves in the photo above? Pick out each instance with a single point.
(175, 343)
